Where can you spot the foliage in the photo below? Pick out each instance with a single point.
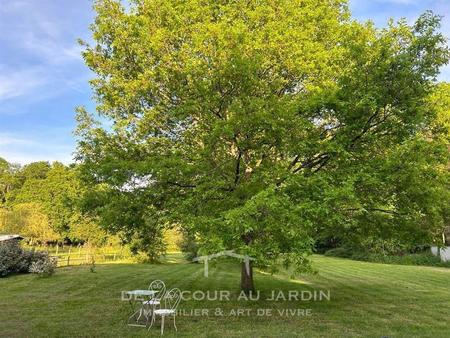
(129, 215)
(341, 252)
(172, 238)
(44, 267)
(7, 179)
(424, 258)
(55, 187)
(92, 263)
(41, 202)
(440, 100)
(29, 220)
(14, 259)
(260, 125)
(153, 245)
(11, 259)
(188, 245)
(85, 229)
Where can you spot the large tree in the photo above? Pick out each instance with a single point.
(253, 124)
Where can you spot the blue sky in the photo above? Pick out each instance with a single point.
(43, 78)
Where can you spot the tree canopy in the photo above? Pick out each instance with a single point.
(256, 125)
(41, 202)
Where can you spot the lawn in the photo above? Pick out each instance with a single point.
(366, 300)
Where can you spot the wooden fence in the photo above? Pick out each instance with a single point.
(88, 258)
(81, 255)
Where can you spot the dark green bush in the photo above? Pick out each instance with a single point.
(424, 258)
(188, 246)
(11, 259)
(342, 252)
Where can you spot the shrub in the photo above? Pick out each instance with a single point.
(188, 246)
(44, 267)
(424, 257)
(11, 258)
(325, 243)
(342, 252)
(14, 259)
(92, 262)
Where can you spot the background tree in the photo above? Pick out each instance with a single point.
(440, 132)
(8, 179)
(28, 220)
(54, 187)
(255, 124)
(41, 202)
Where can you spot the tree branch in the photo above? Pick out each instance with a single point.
(392, 212)
(237, 173)
(181, 185)
(312, 162)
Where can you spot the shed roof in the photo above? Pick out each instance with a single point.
(4, 238)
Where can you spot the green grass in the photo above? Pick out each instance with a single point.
(367, 300)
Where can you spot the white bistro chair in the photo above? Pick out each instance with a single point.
(171, 300)
(159, 288)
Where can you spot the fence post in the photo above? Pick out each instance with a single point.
(68, 260)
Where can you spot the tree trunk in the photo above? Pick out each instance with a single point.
(247, 279)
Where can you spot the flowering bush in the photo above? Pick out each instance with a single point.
(44, 267)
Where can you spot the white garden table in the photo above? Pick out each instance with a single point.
(139, 297)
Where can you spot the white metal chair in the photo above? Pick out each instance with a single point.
(160, 288)
(171, 300)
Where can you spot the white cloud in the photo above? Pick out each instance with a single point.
(40, 31)
(52, 52)
(39, 49)
(8, 139)
(14, 83)
(42, 77)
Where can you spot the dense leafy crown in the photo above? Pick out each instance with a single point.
(257, 124)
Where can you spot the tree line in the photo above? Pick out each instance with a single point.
(41, 201)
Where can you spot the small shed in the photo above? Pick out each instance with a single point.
(8, 238)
